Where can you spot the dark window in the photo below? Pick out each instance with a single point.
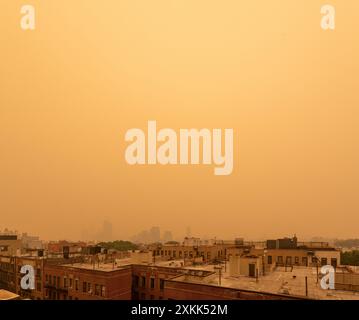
(103, 291)
(143, 282)
(334, 262)
(152, 283)
(97, 290)
(84, 287)
(162, 284)
(324, 261)
(269, 259)
(305, 261)
(143, 296)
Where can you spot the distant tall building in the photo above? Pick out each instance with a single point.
(155, 234)
(167, 236)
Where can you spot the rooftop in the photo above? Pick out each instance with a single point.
(105, 267)
(280, 281)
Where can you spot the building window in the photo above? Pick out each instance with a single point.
(334, 262)
(152, 283)
(84, 287)
(174, 254)
(324, 261)
(97, 290)
(304, 261)
(296, 260)
(38, 286)
(143, 282)
(288, 261)
(161, 252)
(76, 284)
(162, 284)
(103, 291)
(65, 282)
(269, 259)
(70, 282)
(180, 254)
(280, 259)
(89, 287)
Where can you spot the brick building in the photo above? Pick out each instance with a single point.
(86, 281)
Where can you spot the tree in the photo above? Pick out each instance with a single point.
(118, 245)
(350, 258)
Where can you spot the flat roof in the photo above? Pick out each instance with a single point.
(276, 282)
(105, 267)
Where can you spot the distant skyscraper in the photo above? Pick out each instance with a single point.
(167, 236)
(155, 234)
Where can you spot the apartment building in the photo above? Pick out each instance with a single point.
(10, 275)
(290, 252)
(10, 245)
(203, 253)
(87, 281)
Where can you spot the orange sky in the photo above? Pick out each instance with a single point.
(93, 69)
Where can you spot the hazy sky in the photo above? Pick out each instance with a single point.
(93, 69)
